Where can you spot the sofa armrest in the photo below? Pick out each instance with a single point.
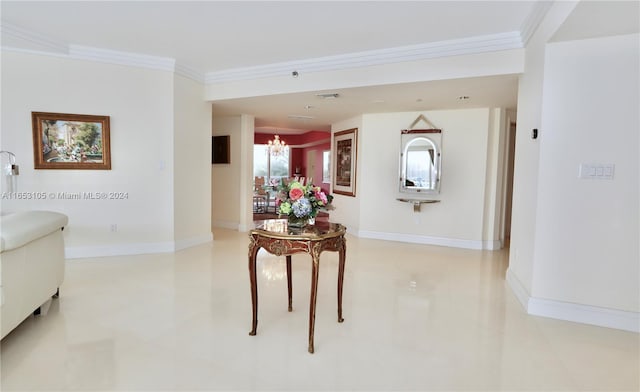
(20, 228)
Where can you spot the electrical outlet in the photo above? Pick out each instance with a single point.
(114, 228)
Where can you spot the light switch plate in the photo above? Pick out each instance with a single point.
(596, 171)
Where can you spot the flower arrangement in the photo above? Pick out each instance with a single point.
(301, 202)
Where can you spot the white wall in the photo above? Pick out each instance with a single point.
(458, 219)
(139, 103)
(232, 184)
(574, 243)
(245, 193)
(225, 178)
(587, 231)
(494, 188)
(525, 186)
(192, 157)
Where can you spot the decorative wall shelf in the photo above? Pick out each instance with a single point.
(418, 202)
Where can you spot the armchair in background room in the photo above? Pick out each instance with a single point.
(297, 178)
(259, 195)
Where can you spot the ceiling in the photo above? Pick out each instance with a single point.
(308, 111)
(220, 36)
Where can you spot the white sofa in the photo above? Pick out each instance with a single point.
(31, 263)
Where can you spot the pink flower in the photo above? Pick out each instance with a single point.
(321, 196)
(296, 193)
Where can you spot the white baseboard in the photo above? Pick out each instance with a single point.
(521, 293)
(77, 252)
(492, 245)
(225, 224)
(189, 242)
(585, 314)
(428, 240)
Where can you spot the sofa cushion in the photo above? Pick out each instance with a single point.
(20, 228)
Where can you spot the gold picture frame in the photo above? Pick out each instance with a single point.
(71, 141)
(345, 150)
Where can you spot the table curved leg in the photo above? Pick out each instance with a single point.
(253, 251)
(314, 297)
(342, 257)
(289, 284)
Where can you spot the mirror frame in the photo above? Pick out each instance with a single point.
(407, 137)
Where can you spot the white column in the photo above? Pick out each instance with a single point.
(247, 123)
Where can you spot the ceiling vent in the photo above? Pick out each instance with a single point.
(328, 95)
(300, 117)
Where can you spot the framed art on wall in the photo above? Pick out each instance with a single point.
(345, 147)
(70, 141)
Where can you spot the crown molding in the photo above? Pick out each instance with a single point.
(188, 72)
(47, 43)
(55, 48)
(471, 45)
(34, 51)
(533, 20)
(121, 58)
(311, 144)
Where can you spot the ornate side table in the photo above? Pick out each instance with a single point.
(276, 237)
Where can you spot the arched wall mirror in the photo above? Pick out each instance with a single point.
(420, 157)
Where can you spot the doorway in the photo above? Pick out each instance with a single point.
(311, 165)
(508, 184)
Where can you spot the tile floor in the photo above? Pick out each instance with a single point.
(417, 317)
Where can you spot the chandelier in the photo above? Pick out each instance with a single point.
(276, 146)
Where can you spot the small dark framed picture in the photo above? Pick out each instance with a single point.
(220, 149)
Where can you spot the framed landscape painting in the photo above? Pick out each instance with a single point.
(345, 147)
(70, 141)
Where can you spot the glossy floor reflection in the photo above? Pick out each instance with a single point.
(416, 318)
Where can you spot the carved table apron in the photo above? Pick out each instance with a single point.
(277, 238)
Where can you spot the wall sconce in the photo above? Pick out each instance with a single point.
(11, 171)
